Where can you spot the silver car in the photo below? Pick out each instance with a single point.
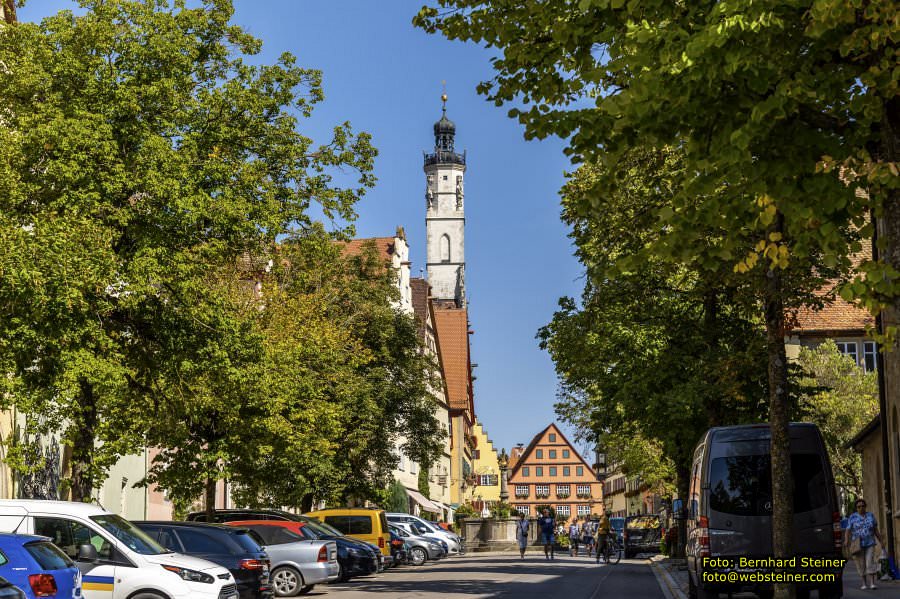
(421, 527)
(297, 564)
(421, 549)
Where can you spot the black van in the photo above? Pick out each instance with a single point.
(730, 509)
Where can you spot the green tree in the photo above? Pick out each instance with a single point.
(424, 486)
(140, 155)
(655, 353)
(397, 499)
(841, 398)
(374, 390)
(762, 96)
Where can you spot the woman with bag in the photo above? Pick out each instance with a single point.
(862, 531)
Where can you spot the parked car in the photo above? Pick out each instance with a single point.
(335, 534)
(10, 591)
(248, 514)
(355, 558)
(298, 562)
(730, 505)
(116, 558)
(420, 526)
(617, 525)
(421, 549)
(232, 548)
(367, 524)
(38, 567)
(642, 534)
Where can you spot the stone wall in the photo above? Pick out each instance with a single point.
(494, 534)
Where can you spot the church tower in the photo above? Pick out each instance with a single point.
(445, 215)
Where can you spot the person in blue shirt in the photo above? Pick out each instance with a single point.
(546, 524)
(863, 526)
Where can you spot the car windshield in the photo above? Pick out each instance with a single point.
(742, 485)
(129, 534)
(643, 522)
(321, 530)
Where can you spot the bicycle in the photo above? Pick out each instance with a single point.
(613, 550)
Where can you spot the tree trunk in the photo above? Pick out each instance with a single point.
(306, 503)
(889, 373)
(83, 445)
(779, 420)
(210, 500)
(9, 11)
(682, 483)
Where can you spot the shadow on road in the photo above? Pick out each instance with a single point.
(497, 577)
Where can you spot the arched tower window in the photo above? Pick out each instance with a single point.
(445, 248)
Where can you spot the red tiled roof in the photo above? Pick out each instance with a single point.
(384, 246)
(836, 315)
(452, 325)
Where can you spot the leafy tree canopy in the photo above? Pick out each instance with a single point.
(141, 155)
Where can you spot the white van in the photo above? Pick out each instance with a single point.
(117, 560)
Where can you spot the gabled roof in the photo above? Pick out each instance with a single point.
(452, 327)
(514, 469)
(874, 425)
(384, 246)
(837, 316)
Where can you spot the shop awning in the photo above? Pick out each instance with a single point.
(425, 503)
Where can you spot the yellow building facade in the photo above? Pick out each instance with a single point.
(485, 491)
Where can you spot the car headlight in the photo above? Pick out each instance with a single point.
(190, 575)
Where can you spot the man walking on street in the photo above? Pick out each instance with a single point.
(522, 534)
(573, 537)
(587, 536)
(547, 525)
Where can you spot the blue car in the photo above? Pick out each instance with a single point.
(38, 567)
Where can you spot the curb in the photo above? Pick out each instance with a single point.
(667, 584)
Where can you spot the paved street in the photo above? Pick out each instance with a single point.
(503, 575)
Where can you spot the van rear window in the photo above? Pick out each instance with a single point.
(742, 485)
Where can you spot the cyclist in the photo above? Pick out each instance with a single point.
(602, 536)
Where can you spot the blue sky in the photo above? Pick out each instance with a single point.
(384, 76)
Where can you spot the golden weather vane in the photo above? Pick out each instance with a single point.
(444, 95)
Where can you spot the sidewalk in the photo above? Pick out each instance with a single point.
(674, 581)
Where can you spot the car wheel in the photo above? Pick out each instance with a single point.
(306, 589)
(147, 595)
(417, 556)
(286, 581)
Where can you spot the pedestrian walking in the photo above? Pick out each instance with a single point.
(862, 531)
(587, 536)
(574, 534)
(522, 534)
(547, 526)
(601, 538)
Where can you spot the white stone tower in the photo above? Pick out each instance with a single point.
(445, 216)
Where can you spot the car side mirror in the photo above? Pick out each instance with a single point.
(87, 553)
